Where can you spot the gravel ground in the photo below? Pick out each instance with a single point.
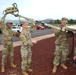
(43, 55)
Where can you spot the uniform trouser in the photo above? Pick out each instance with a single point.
(26, 55)
(61, 53)
(8, 49)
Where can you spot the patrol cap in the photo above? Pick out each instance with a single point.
(23, 22)
(64, 19)
(9, 23)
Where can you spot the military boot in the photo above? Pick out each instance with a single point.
(29, 70)
(13, 65)
(63, 66)
(54, 69)
(3, 68)
(24, 72)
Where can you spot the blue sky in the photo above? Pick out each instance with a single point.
(42, 9)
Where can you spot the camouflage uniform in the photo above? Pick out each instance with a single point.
(26, 52)
(7, 44)
(61, 50)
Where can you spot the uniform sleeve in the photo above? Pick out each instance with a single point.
(23, 39)
(57, 32)
(1, 27)
(33, 27)
(6, 35)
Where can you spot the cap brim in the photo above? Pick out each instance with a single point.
(9, 23)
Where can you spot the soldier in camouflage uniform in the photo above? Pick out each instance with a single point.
(26, 52)
(7, 36)
(61, 42)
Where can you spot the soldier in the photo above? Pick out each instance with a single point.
(61, 42)
(26, 52)
(7, 36)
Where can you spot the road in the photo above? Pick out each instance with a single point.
(33, 34)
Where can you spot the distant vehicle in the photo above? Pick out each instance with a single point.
(17, 28)
(40, 28)
(46, 27)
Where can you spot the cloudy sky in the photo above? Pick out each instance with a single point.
(42, 9)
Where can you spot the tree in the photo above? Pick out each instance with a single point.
(71, 21)
(57, 21)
